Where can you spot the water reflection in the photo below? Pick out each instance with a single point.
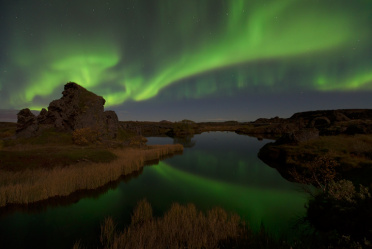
(275, 207)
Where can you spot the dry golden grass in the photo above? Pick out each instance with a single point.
(183, 226)
(27, 186)
(180, 227)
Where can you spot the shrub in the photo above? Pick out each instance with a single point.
(85, 136)
(320, 172)
(344, 190)
(342, 210)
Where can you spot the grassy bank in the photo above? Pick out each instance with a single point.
(36, 184)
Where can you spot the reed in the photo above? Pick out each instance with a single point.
(180, 227)
(28, 186)
(184, 226)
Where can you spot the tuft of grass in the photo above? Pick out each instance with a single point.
(142, 213)
(107, 232)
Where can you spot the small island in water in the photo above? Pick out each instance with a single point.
(75, 145)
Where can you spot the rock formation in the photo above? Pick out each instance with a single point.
(78, 108)
(27, 123)
(297, 137)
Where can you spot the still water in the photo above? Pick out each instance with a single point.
(216, 169)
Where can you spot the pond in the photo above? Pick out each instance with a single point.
(216, 169)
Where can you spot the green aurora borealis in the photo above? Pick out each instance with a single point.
(169, 51)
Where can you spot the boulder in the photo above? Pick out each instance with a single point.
(78, 108)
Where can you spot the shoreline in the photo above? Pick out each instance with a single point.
(351, 154)
(30, 186)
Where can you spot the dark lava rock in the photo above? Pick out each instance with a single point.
(42, 117)
(297, 137)
(78, 108)
(27, 123)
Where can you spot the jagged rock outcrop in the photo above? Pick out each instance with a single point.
(78, 108)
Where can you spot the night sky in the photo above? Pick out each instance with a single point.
(205, 60)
